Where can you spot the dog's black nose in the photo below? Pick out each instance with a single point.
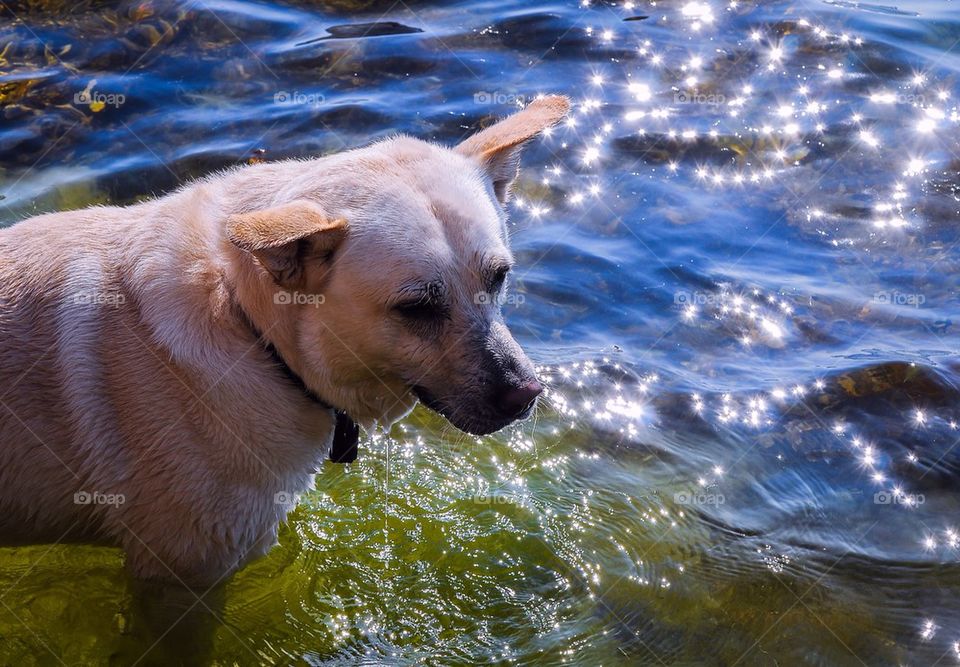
(514, 401)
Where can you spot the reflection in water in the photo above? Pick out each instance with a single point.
(737, 265)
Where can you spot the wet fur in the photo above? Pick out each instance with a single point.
(127, 365)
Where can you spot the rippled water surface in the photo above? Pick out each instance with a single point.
(738, 270)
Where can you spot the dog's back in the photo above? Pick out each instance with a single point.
(117, 419)
(46, 332)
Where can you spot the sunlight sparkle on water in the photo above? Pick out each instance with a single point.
(760, 127)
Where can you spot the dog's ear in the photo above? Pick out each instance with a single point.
(287, 237)
(498, 147)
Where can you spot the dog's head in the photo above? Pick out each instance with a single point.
(381, 273)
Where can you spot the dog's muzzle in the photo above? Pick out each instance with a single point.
(502, 407)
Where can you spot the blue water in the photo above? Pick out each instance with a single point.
(737, 268)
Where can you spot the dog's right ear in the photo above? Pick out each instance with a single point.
(287, 237)
(497, 148)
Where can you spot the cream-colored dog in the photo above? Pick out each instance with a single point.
(172, 373)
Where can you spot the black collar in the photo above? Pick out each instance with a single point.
(346, 432)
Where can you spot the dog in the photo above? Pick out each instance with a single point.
(173, 373)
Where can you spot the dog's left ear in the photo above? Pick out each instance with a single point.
(498, 147)
(287, 237)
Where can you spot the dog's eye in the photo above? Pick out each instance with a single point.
(498, 278)
(419, 310)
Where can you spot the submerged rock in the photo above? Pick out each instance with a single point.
(892, 384)
(359, 30)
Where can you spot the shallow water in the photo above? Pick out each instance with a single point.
(738, 270)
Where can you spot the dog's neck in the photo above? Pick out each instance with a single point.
(346, 432)
(273, 339)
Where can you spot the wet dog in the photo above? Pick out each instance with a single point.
(173, 373)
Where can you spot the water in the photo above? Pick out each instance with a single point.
(738, 270)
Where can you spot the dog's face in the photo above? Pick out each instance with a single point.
(395, 270)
